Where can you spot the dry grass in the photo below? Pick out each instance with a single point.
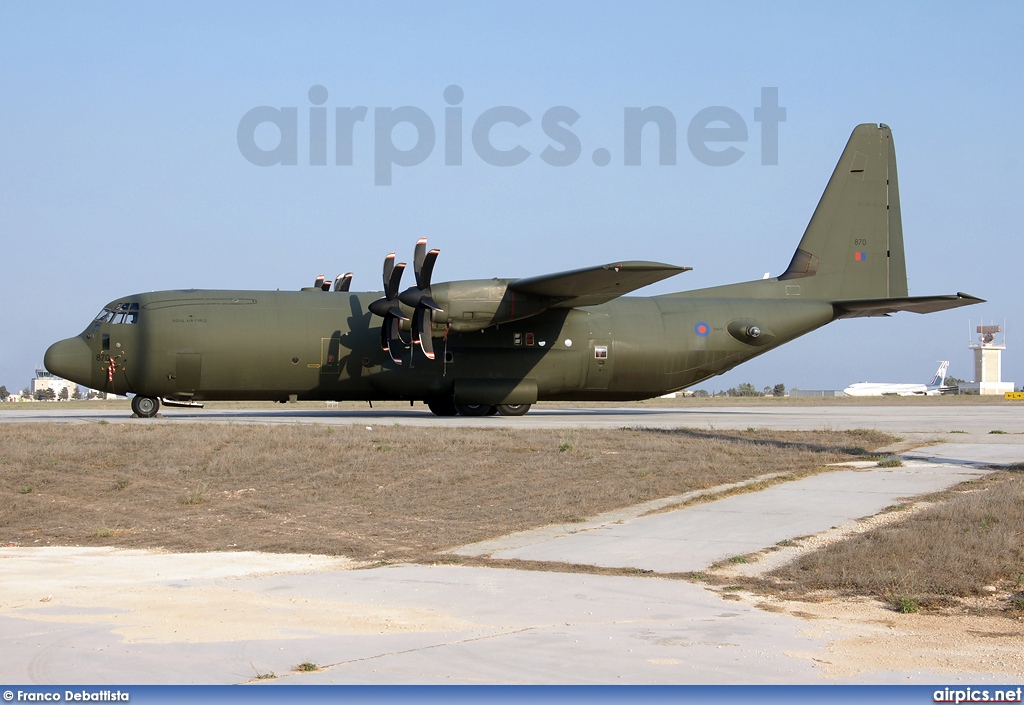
(968, 544)
(390, 493)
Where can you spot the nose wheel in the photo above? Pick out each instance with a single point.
(145, 407)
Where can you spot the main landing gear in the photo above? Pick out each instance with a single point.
(442, 407)
(145, 407)
(445, 407)
(512, 409)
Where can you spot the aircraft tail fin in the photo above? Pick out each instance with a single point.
(940, 375)
(853, 246)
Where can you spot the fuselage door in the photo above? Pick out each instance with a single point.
(330, 355)
(601, 358)
(188, 371)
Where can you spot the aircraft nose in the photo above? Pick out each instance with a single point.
(70, 359)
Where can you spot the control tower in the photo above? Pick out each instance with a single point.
(988, 362)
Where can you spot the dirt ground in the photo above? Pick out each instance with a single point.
(866, 636)
(865, 633)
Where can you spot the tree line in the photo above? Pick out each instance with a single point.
(746, 389)
(50, 395)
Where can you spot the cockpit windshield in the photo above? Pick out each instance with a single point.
(119, 313)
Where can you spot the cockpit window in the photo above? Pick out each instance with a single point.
(120, 313)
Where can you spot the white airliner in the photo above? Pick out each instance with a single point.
(877, 389)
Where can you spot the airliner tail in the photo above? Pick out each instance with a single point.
(940, 375)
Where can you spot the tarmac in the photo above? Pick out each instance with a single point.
(104, 616)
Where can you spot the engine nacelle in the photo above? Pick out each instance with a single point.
(481, 303)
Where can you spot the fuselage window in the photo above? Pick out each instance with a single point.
(601, 352)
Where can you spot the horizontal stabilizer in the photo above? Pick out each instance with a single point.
(595, 285)
(860, 308)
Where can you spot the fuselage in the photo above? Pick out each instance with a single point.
(878, 389)
(200, 345)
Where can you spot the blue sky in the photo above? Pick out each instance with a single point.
(121, 170)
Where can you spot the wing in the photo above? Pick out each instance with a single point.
(595, 285)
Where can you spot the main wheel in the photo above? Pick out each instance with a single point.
(145, 407)
(442, 407)
(473, 409)
(513, 409)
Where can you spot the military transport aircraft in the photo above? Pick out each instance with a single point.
(501, 345)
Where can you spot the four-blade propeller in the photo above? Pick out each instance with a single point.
(343, 281)
(387, 308)
(416, 297)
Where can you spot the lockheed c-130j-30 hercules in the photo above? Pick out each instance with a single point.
(501, 345)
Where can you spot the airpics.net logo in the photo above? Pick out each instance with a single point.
(269, 136)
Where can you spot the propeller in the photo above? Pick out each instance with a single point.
(342, 282)
(419, 298)
(387, 308)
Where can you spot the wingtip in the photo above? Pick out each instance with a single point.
(975, 299)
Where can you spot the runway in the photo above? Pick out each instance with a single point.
(899, 419)
(87, 615)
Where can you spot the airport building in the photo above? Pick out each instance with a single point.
(45, 380)
(988, 362)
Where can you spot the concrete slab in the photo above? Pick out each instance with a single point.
(1007, 452)
(693, 538)
(497, 626)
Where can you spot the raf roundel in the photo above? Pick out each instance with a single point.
(701, 329)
